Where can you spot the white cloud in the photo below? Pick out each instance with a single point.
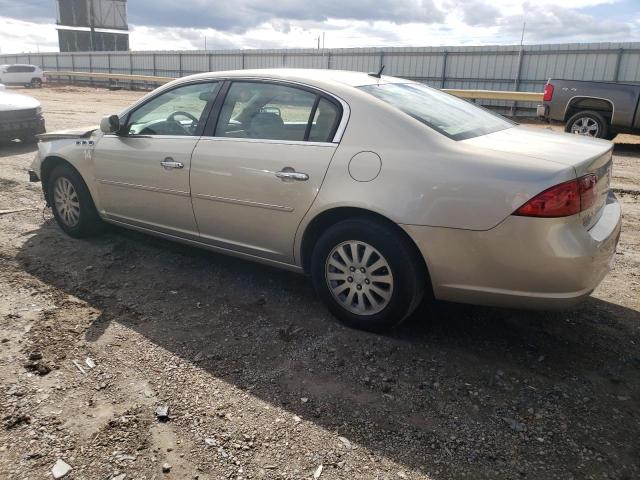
(17, 36)
(286, 25)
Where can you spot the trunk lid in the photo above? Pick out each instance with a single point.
(586, 156)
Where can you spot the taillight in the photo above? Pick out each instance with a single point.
(563, 200)
(548, 92)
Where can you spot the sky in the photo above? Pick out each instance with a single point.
(29, 25)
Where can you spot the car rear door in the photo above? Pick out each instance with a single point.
(261, 165)
(143, 171)
(12, 75)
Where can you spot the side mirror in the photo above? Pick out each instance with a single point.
(110, 124)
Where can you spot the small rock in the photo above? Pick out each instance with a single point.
(297, 419)
(345, 442)
(90, 363)
(211, 442)
(35, 355)
(304, 399)
(162, 413)
(13, 421)
(122, 476)
(38, 367)
(166, 468)
(61, 469)
(318, 472)
(515, 425)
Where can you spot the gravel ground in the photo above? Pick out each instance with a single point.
(261, 383)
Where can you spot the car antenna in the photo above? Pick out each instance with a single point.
(378, 74)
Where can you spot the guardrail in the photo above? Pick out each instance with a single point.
(109, 76)
(470, 94)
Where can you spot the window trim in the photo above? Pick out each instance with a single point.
(337, 129)
(204, 116)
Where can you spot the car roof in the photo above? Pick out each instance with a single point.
(317, 77)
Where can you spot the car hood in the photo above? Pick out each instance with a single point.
(538, 143)
(81, 132)
(10, 101)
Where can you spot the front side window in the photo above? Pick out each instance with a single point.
(449, 115)
(176, 112)
(274, 112)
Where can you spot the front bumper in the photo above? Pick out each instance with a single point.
(523, 262)
(22, 128)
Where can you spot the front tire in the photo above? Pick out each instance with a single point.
(368, 274)
(588, 123)
(71, 202)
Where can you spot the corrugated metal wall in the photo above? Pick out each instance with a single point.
(490, 67)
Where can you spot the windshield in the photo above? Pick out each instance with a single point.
(449, 115)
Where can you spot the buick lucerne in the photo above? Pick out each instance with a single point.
(383, 190)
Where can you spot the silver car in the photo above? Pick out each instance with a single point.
(383, 190)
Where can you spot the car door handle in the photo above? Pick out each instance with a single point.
(291, 174)
(169, 162)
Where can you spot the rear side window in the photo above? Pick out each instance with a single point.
(449, 115)
(269, 111)
(265, 111)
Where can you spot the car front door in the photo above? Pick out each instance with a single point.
(255, 176)
(143, 170)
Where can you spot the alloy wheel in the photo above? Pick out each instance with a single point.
(359, 277)
(66, 201)
(585, 126)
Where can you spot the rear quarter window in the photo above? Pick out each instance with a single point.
(448, 115)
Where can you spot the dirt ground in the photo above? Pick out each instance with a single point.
(261, 382)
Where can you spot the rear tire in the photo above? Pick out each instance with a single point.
(588, 123)
(36, 83)
(375, 288)
(71, 203)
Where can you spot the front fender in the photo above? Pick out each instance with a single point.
(77, 152)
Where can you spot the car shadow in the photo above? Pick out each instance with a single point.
(451, 371)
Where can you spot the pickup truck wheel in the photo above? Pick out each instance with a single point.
(367, 274)
(588, 123)
(71, 202)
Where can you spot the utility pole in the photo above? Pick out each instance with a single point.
(205, 42)
(92, 23)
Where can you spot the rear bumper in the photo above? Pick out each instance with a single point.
(542, 110)
(523, 262)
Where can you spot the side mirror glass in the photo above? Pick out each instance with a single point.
(110, 124)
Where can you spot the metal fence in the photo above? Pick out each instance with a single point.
(489, 67)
